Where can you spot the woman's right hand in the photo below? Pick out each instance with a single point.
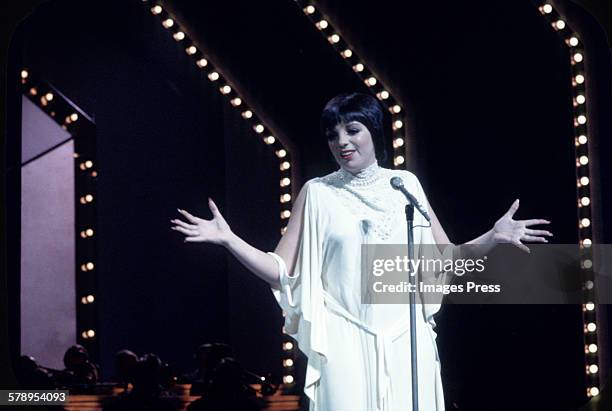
(198, 230)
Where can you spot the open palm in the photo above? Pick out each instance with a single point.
(199, 230)
(508, 230)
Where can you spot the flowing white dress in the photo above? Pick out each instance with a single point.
(358, 354)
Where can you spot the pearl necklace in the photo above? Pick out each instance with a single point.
(364, 177)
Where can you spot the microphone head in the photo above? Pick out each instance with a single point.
(397, 183)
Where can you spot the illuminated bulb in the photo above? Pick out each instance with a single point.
(397, 124)
(89, 164)
(588, 264)
(283, 231)
(90, 266)
(559, 24)
(84, 334)
(269, 140)
(89, 198)
(347, 53)
(49, 96)
(89, 232)
(285, 165)
(547, 8)
(589, 285)
(334, 38)
(585, 201)
(202, 63)
(398, 160)
(594, 391)
(247, 114)
(288, 362)
(258, 128)
(593, 368)
(156, 9)
(309, 9)
(584, 160)
(288, 379)
(178, 36)
(24, 74)
(191, 50)
(285, 182)
(213, 76)
(74, 117)
(371, 81)
(584, 181)
(585, 222)
(578, 57)
(586, 242)
(581, 119)
(288, 345)
(591, 327)
(168, 23)
(580, 99)
(592, 348)
(286, 214)
(573, 41)
(91, 333)
(285, 198)
(589, 306)
(84, 300)
(396, 109)
(94, 173)
(281, 153)
(236, 102)
(33, 91)
(582, 139)
(322, 24)
(398, 142)
(226, 89)
(383, 95)
(579, 79)
(358, 67)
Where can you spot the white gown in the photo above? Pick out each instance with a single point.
(358, 354)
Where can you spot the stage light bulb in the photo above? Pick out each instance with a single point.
(397, 124)
(584, 181)
(288, 362)
(33, 91)
(580, 99)
(578, 57)
(585, 201)
(285, 165)
(559, 24)
(370, 81)
(168, 23)
(547, 8)
(592, 348)
(202, 62)
(589, 285)
(594, 391)
(247, 114)
(398, 142)
(322, 24)
(156, 9)
(591, 327)
(589, 306)
(178, 36)
(258, 128)
(89, 232)
(582, 139)
(191, 50)
(89, 198)
(585, 222)
(88, 164)
(91, 333)
(384, 95)
(236, 101)
(309, 9)
(593, 368)
(49, 96)
(347, 53)
(90, 266)
(587, 242)
(285, 214)
(288, 379)
(334, 38)
(226, 89)
(84, 334)
(269, 140)
(579, 79)
(24, 74)
(285, 182)
(588, 264)
(396, 109)
(287, 345)
(84, 300)
(213, 76)
(583, 160)
(90, 298)
(573, 41)
(74, 117)
(283, 231)
(281, 153)
(581, 119)
(285, 198)
(398, 160)
(358, 67)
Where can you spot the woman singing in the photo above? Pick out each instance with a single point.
(358, 354)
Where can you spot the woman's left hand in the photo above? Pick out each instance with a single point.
(508, 230)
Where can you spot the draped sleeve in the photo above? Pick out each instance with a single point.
(301, 292)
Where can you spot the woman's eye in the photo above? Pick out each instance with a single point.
(352, 131)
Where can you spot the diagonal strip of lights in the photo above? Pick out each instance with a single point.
(583, 184)
(236, 100)
(374, 84)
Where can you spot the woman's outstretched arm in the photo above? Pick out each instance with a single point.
(218, 231)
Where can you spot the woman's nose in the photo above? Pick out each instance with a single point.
(343, 139)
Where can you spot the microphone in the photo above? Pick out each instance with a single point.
(398, 184)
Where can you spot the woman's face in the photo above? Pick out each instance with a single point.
(352, 146)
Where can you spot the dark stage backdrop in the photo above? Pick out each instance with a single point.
(486, 87)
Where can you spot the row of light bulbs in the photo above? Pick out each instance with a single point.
(235, 100)
(383, 95)
(583, 188)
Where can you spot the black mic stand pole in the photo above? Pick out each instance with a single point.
(412, 289)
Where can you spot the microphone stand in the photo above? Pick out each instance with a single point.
(412, 297)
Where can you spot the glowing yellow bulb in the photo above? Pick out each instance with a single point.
(559, 24)
(288, 345)
(322, 24)
(371, 81)
(593, 368)
(285, 198)
(396, 109)
(49, 96)
(89, 198)
(74, 117)
(398, 142)
(592, 348)
(258, 128)
(580, 99)
(269, 140)
(178, 36)
(547, 8)
(578, 57)
(213, 76)
(285, 182)
(236, 101)
(33, 91)
(581, 119)
(582, 139)
(288, 362)
(583, 160)
(156, 9)
(383, 95)
(247, 114)
(191, 50)
(398, 160)
(168, 23)
(334, 38)
(202, 63)
(358, 67)
(589, 306)
(226, 89)
(397, 124)
(347, 53)
(579, 79)
(288, 379)
(588, 264)
(573, 41)
(309, 9)
(281, 153)
(285, 165)
(585, 222)
(587, 242)
(585, 201)
(24, 74)
(91, 333)
(84, 334)
(591, 327)
(285, 214)
(584, 181)
(594, 391)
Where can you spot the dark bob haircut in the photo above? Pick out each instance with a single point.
(364, 108)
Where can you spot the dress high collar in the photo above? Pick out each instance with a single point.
(363, 177)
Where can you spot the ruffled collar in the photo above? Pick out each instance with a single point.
(363, 177)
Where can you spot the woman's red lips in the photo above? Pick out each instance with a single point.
(346, 153)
